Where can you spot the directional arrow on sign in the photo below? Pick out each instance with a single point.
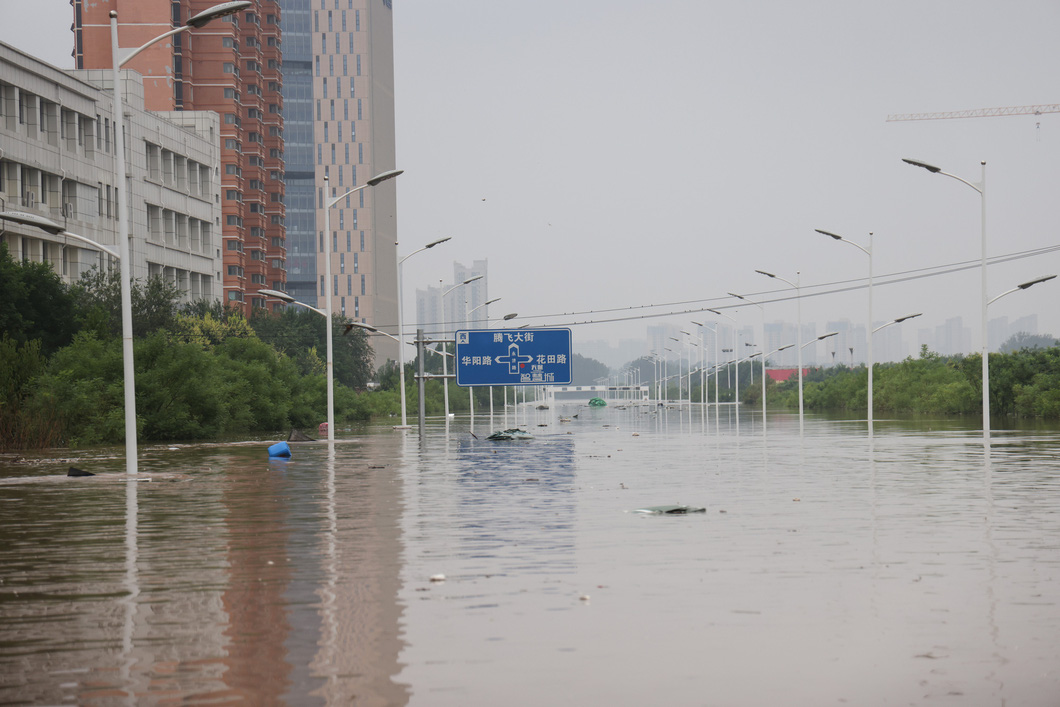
(513, 359)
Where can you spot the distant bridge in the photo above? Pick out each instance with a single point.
(607, 392)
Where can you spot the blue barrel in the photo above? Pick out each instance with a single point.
(280, 449)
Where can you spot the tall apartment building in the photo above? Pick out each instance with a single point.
(339, 93)
(57, 145)
(463, 308)
(232, 66)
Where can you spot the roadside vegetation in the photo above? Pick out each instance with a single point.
(205, 372)
(1024, 382)
(202, 371)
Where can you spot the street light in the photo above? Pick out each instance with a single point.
(283, 296)
(445, 371)
(868, 252)
(124, 261)
(471, 389)
(329, 285)
(714, 330)
(798, 330)
(401, 326)
(986, 368)
(899, 320)
(763, 310)
(49, 226)
(735, 352)
(981, 188)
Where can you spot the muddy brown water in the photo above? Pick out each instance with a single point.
(915, 568)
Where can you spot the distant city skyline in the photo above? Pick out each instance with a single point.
(892, 344)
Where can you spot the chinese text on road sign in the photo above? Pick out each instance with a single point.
(513, 357)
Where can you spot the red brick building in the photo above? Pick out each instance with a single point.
(231, 66)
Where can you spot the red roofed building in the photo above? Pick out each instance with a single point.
(779, 375)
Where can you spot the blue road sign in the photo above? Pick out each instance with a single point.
(513, 357)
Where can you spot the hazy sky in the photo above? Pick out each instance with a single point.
(604, 156)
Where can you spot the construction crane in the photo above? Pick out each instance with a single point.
(978, 113)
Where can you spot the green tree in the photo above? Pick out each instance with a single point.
(586, 371)
(98, 297)
(22, 427)
(300, 334)
(1023, 340)
(35, 304)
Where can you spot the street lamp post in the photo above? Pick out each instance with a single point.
(986, 367)
(798, 331)
(735, 353)
(764, 357)
(329, 285)
(504, 389)
(49, 226)
(401, 328)
(124, 261)
(445, 371)
(899, 320)
(868, 252)
(763, 310)
(284, 297)
(471, 389)
(678, 355)
(980, 187)
(714, 330)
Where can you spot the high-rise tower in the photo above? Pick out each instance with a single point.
(339, 93)
(234, 68)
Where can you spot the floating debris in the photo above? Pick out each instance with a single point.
(299, 436)
(597, 402)
(670, 510)
(74, 471)
(437, 577)
(280, 449)
(510, 434)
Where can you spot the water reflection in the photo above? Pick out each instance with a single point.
(909, 565)
(241, 580)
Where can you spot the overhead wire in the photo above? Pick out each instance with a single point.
(805, 291)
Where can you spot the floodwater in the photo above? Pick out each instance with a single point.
(911, 569)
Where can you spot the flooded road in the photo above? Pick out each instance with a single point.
(827, 569)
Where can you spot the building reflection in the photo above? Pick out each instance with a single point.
(314, 555)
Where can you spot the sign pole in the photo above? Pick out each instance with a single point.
(420, 355)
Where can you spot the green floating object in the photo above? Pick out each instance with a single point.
(670, 510)
(597, 403)
(508, 435)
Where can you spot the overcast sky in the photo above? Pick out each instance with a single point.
(606, 155)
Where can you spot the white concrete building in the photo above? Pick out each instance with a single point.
(57, 161)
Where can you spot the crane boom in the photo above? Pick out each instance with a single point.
(979, 113)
